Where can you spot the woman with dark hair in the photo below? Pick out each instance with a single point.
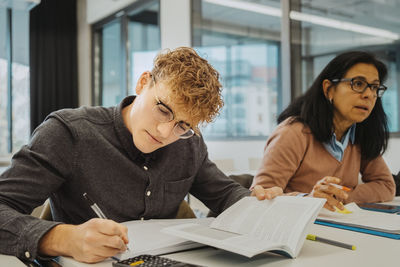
(333, 133)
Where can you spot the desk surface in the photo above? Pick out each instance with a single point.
(371, 251)
(10, 261)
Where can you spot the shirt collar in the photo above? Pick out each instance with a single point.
(125, 135)
(337, 148)
(352, 133)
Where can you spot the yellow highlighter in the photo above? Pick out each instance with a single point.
(344, 188)
(344, 211)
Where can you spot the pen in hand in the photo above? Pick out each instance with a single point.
(96, 209)
(94, 206)
(344, 188)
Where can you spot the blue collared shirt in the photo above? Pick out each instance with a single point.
(336, 148)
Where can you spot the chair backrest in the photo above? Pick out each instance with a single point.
(244, 180)
(396, 178)
(185, 211)
(46, 212)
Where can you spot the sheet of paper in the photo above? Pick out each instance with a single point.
(373, 220)
(145, 237)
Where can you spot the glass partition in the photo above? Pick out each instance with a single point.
(246, 52)
(144, 42)
(112, 65)
(20, 79)
(329, 28)
(14, 80)
(4, 133)
(124, 47)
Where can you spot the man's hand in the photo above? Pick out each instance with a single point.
(334, 195)
(92, 241)
(268, 193)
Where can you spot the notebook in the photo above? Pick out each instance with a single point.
(364, 221)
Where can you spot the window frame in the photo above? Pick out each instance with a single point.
(9, 52)
(10, 41)
(121, 16)
(4, 158)
(290, 83)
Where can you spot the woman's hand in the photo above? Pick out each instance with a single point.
(268, 193)
(324, 188)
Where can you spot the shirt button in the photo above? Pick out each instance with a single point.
(145, 168)
(148, 193)
(27, 254)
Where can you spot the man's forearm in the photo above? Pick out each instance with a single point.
(56, 242)
(19, 233)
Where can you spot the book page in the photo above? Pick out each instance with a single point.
(250, 226)
(281, 220)
(146, 237)
(241, 244)
(373, 220)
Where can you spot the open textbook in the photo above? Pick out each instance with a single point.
(250, 227)
(371, 222)
(145, 237)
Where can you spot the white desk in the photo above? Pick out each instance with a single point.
(10, 261)
(395, 201)
(372, 251)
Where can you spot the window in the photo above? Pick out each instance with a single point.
(4, 133)
(112, 78)
(144, 40)
(246, 52)
(14, 80)
(242, 40)
(125, 46)
(20, 79)
(363, 25)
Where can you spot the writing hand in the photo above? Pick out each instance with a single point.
(92, 241)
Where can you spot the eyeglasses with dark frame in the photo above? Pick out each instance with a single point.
(163, 113)
(359, 85)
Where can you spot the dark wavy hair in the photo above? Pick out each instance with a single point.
(314, 109)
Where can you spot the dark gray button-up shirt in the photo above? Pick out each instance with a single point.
(90, 150)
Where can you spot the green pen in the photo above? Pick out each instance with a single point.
(330, 242)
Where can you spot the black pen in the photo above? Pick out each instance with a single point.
(96, 209)
(94, 206)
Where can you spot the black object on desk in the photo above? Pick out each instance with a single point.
(151, 260)
(380, 207)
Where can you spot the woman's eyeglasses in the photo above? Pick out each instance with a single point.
(359, 85)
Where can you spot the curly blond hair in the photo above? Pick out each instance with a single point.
(194, 84)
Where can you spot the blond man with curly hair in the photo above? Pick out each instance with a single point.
(137, 161)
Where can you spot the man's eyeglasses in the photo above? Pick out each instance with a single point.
(359, 85)
(163, 113)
